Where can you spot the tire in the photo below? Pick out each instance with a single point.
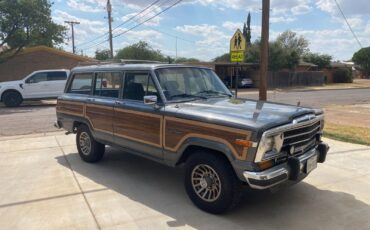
(221, 196)
(89, 149)
(12, 98)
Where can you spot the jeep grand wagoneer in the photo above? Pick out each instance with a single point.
(184, 115)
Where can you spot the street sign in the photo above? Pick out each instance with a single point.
(237, 56)
(238, 46)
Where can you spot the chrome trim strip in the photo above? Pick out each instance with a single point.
(284, 128)
(276, 171)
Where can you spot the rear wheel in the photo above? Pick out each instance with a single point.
(210, 182)
(88, 148)
(12, 98)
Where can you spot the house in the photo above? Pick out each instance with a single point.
(38, 58)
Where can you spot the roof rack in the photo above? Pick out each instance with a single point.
(119, 61)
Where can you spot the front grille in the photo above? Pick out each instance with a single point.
(302, 138)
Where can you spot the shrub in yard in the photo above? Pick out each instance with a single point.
(343, 75)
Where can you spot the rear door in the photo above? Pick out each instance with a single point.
(100, 106)
(136, 125)
(56, 83)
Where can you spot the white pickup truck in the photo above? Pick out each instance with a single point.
(42, 84)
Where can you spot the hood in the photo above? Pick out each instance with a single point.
(240, 113)
(11, 83)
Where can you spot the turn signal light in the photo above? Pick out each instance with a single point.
(244, 143)
(265, 164)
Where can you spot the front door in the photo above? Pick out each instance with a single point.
(36, 86)
(138, 126)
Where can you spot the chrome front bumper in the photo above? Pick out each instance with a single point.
(283, 172)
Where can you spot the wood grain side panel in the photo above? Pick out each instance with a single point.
(72, 108)
(100, 117)
(138, 126)
(178, 130)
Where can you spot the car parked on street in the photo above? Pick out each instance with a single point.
(185, 115)
(42, 84)
(244, 82)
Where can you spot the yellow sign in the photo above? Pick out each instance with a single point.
(237, 56)
(238, 42)
(238, 46)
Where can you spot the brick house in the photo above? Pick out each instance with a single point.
(38, 58)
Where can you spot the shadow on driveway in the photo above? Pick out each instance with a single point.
(160, 188)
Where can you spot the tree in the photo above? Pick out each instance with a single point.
(362, 60)
(279, 58)
(321, 60)
(186, 60)
(290, 40)
(25, 23)
(141, 51)
(247, 30)
(102, 54)
(223, 58)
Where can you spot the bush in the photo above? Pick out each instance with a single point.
(343, 76)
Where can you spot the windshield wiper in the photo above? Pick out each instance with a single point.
(214, 92)
(185, 95)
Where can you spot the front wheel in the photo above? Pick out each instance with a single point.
(12, 99)
(211, 183)
(88, 148)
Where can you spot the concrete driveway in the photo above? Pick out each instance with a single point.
(44, 185)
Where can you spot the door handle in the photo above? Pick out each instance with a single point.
(119, 103)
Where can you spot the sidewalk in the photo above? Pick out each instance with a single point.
(44, 185)
(357, 84)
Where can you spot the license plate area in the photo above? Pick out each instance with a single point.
(311, 164)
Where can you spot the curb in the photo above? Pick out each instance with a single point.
(32, 135)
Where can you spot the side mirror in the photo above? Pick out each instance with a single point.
(150, 100)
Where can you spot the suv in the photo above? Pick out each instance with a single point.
(42, 84)
(185, 115)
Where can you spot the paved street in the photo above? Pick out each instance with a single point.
(34, 117)
(320, 98)
(44, 185)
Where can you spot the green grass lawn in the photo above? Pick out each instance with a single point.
(351, 134)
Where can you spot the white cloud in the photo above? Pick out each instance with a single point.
(232, 25)
(282, 19)
(155, 21)
(85, 31)
(92, 6)
(349, 7)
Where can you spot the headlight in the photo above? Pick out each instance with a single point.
(269, 147)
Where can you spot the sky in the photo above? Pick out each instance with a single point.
(202, 28)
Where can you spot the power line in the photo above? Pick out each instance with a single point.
(349, 26)
(105, 34)
(141, 23)
(142, 11)
(72, 23)
(157, 14)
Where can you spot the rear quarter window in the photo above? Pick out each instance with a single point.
(81, 83)
(57, 76)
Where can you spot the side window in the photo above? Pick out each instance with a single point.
(38, 77)
(81, 83)
(138, 85)
(108, 84)
(57, 76)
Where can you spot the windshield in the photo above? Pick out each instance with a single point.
(190, 83)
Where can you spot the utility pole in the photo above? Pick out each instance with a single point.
(264, 49)
(176, 47)
(72, 23)
(109, 10)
